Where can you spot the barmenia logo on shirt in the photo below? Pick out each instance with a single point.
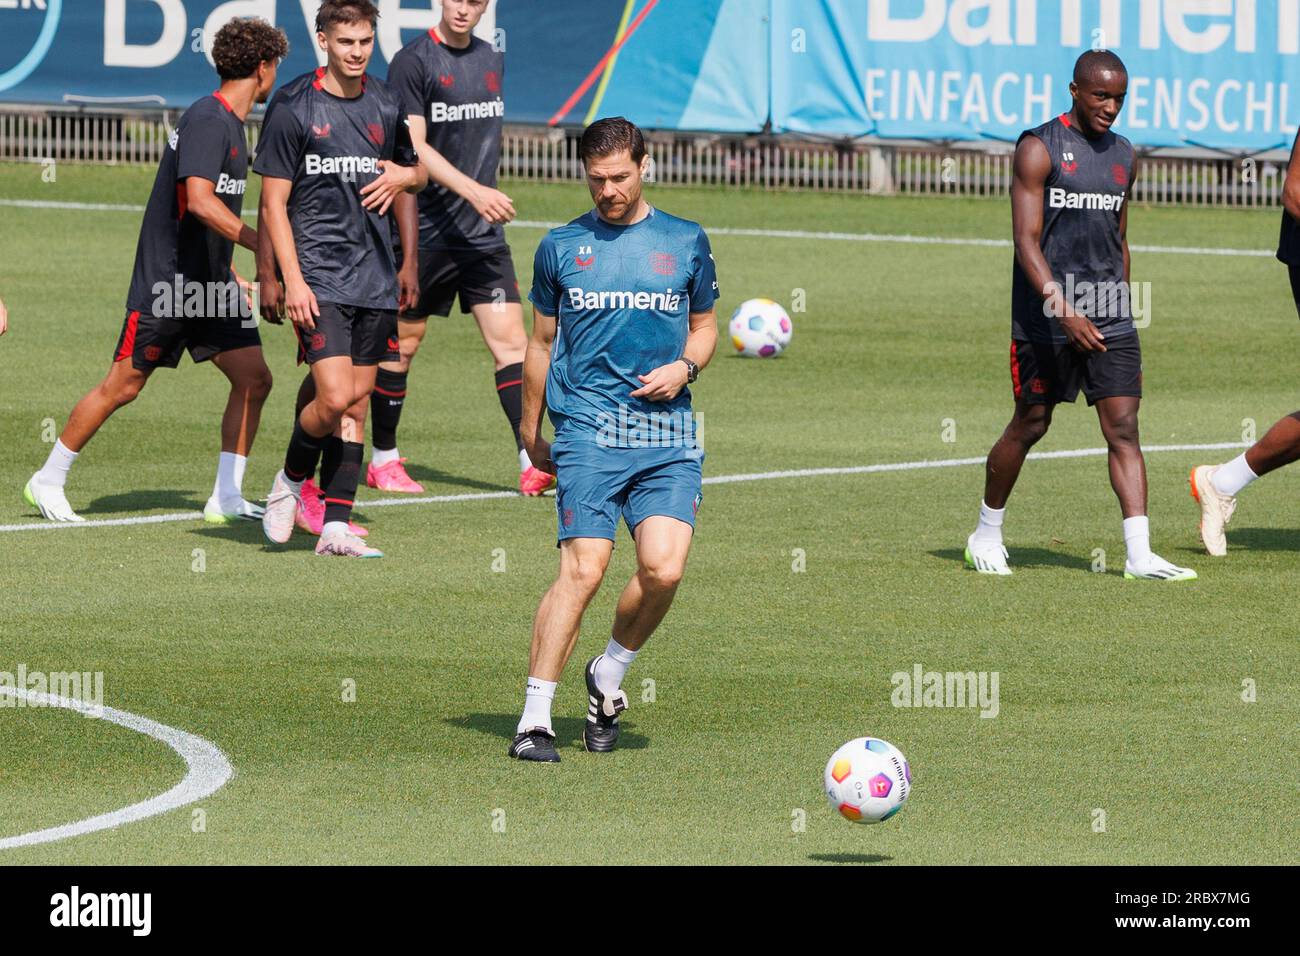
(228, 186)
(1059, 198)
(669, 301)
(340, 165)
(448, 113)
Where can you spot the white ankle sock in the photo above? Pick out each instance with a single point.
(524, 461)
(613, 664)
(538, 695)
(1137, 539)
(990, 526)
(334, 527)
(379, 457)
(229, 487)
(55, 470)
(1233, 476)
(294, 486)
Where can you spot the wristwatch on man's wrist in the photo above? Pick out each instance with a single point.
(692, 370)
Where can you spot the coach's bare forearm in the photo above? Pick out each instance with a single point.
(702, 339)
(537, 365)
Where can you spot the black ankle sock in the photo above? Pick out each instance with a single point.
(303, 454)
(386, 408)
(340, 472)
(510, 390)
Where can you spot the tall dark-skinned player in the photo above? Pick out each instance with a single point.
(1071, 318)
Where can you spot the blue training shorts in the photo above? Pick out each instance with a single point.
(594, 484)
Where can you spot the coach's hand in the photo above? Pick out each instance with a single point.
(1081, 333)
(493, 205)
(539, 453)
(270, 300)
(393, 180)
(408, 286)
(300, 304)
(664, 383)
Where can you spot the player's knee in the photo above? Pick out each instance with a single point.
(662, 574)
(333, 404)
(126, 391)
(1029, 430)
(258, 386)
(1122, 430)
(583, 575)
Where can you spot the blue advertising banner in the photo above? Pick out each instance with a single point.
(1216, 73)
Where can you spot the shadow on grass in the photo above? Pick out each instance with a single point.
(568, 730)
(170, 498)
(849, 857)
(433, 476)
(1024, 558)
(250, 533)
(1263, 539)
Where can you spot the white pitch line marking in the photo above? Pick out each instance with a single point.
(899, 239)
(712, 480)
(206, 771)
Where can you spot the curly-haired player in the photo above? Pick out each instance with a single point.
(184, 294)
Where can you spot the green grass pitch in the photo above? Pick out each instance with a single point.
(1115, 696)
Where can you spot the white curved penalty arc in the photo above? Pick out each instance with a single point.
(206, 770)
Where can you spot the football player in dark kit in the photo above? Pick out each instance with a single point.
(334, 155)
(450, 81)
(184, 294)
(1072, 326)
(1215, 487)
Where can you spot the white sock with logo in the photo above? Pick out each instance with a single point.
(538, 695)
(1233, 476)
(1137, 539)
(379, 457)
(612, 665)
(990, 527)
(524, 461)
(54, 472)
(229, 487)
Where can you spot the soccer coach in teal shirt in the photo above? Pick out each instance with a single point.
(623, 322)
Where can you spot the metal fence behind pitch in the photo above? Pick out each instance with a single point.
(40, 134)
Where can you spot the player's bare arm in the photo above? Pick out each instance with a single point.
(665, 383)
(393, 180)
(1123, 220)
(407, 211)
(203, 204)
(1032, 167)
(1291, 186)
(492, 204)
(537, 365)
(299, 301)
(270, 294)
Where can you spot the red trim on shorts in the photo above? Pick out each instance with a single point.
(1015, 371)
(128, 339)
(223, 101)
(518, 381)
(381, 391)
